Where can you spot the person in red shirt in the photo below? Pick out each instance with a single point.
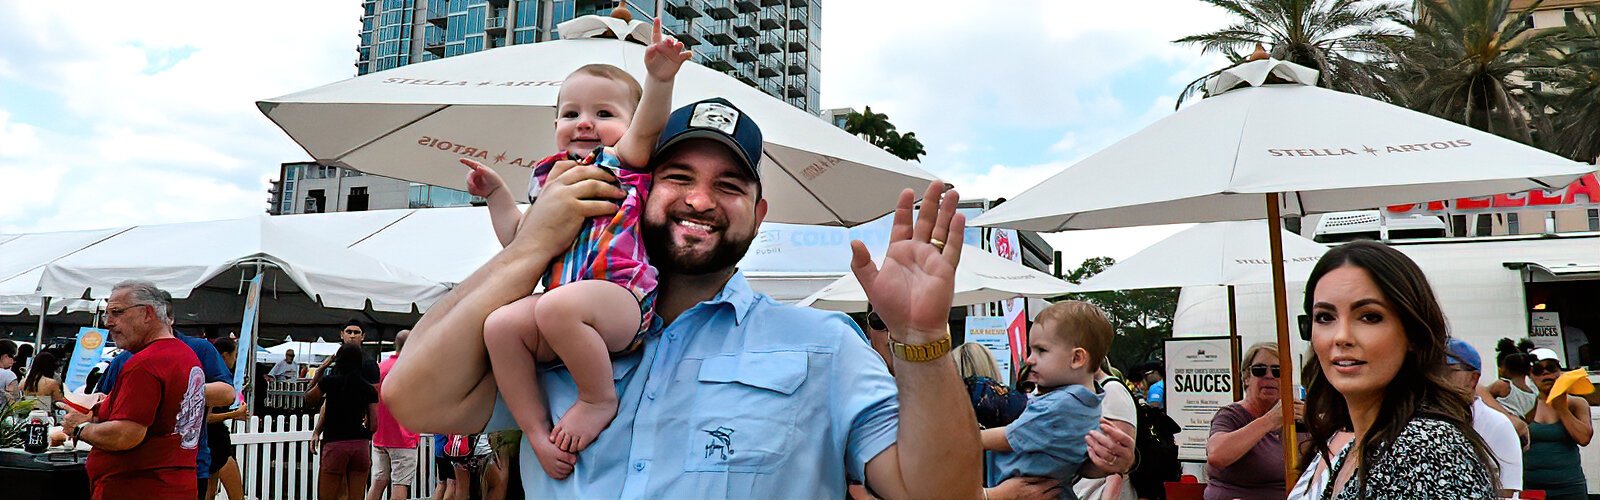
(146, 432)
(394, 449)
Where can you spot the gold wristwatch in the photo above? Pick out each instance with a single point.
(921, 352)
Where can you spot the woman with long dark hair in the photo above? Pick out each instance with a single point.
(40, 383)
(344, 427)
(1377, 369)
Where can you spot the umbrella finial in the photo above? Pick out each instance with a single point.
(622, 13)
(1259, 54)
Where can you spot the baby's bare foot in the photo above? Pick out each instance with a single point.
(556, 463)
(582, 423)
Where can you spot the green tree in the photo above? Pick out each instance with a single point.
(1459, 63)
(1348, 41)
(1141, 318)
(876, 129)
(1566, 62)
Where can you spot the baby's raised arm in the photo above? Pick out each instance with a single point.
(661, 60)
(485, 183)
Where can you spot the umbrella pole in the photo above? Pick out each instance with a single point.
(1281, 314)
(1233, 338)
(38, 335)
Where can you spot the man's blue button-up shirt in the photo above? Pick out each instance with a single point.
(740, 397)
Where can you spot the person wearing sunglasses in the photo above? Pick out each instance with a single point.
(1244, 455)
(1557, 426)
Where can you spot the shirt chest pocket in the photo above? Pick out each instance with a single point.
(745, 417)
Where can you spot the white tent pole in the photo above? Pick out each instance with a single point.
(1281, 310)
(38, 335)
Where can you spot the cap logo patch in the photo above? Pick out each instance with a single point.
(714, 115)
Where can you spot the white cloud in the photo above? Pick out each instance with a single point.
(150, 115)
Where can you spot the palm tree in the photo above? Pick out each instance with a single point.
(876, 129)
(1459, 63)
(1567, 65)
(907, 147)
(1348, 41)
(868, 125)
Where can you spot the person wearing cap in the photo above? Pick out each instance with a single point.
(1557, 426)
(733, 395)
(1497, 430)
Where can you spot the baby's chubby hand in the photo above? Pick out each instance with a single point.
(664, 56)
(482, 181)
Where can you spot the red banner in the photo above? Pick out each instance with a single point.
(1583, 193)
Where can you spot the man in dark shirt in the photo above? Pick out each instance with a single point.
(352, 334)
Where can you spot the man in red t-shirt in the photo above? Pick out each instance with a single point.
(147, 431)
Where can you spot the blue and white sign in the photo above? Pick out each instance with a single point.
(85, 355)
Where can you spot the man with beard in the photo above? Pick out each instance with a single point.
(733, 395)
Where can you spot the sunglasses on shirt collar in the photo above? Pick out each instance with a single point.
(876, 323)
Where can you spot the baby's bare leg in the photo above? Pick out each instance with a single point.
(584, 322)
(511, 335)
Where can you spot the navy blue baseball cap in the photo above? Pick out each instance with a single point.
(718, 120)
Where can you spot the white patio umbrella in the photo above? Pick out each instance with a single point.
(1216, 253)
(415, 121)
(1268, 143)
(982, 277)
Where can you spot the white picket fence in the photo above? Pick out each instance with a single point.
(287, 394)
(275, 459)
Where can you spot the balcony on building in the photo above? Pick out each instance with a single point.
(719, 9)
(772, 18)
(797, 3)
(797, 63)
(770, 66)
(744, 27)
(440, 18)
(495, 26)
(500, 3)
(794, 87)
(746, 5)
(769, 3)
(717, 62)
(688, 37)
(719, 35)
(434, 45)
(796, 41)
(797, 19)
(771, 87)
(684, 9)
(747, 75)
(769, 43)
(745, 51)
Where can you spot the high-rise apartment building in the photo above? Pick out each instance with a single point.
(772, 45)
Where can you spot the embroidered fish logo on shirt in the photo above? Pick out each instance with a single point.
(721, 442)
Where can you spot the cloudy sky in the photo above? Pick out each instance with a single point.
(127, 113)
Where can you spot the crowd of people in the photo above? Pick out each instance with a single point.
(648, 368)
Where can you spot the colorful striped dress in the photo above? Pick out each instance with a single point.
(607, 248)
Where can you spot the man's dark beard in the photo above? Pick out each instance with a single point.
(658, 245)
